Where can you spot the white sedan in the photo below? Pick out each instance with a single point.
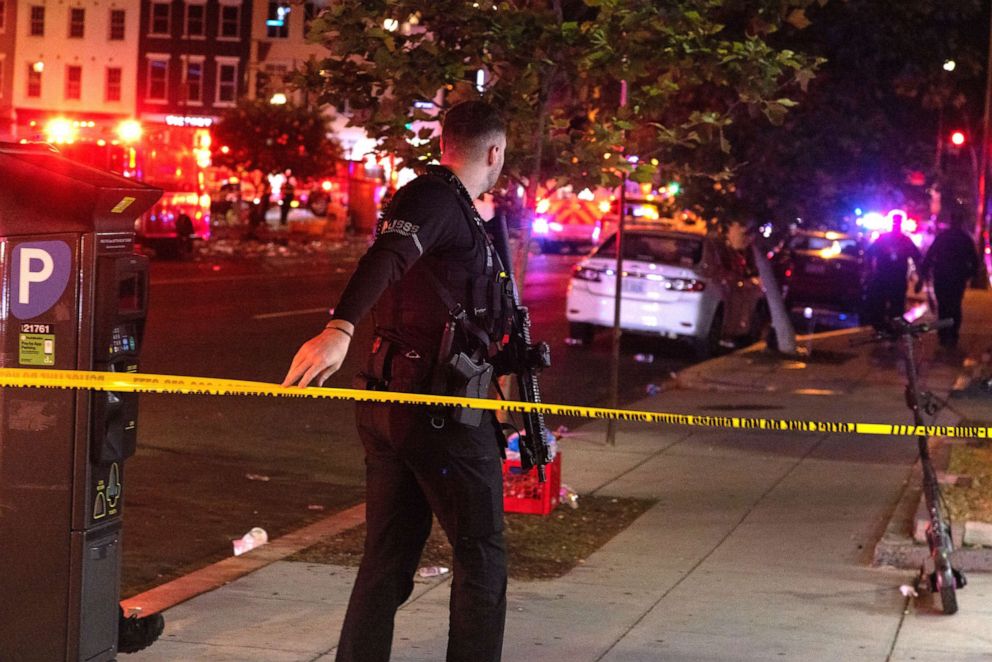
(675, 285)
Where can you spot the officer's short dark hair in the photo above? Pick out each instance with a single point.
(470, 125)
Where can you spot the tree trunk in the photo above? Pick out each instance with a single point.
(785, 334)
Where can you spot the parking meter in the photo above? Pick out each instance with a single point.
(74, 296)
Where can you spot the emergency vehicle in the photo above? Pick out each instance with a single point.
(566, 220)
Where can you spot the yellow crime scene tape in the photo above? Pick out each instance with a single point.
(174, 384)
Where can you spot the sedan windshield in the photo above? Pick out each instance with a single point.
(659, 248)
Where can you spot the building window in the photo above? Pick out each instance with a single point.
(193, 75)
(196, 20)
(73, 81)
(36, 27)
(271, 80)
(77, 22)
(34, 81)
(112, 91)
(161, 13)
(277, 22)
(230, 21)
(117, 18)
(227, 82)
(158, 80)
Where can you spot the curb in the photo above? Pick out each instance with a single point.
(897, 548)
(214, 576)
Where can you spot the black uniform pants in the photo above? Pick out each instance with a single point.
(884, 301)
(949, 296)
(412, 470)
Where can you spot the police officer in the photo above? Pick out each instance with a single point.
(953, 261)
(431, 254)
(888, 262)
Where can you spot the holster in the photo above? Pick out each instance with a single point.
(468, 379)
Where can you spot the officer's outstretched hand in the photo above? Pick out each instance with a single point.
(321, 356)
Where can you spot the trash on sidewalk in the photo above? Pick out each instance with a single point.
(652, 389)
(432, 571)
(249, 541)
(572, 342)
(644, 358)
(569, 496)
(315, 506)
(259, 477)
(908, 591)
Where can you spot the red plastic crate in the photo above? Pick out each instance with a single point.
(523, 494)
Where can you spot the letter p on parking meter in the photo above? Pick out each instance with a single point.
(73, 296)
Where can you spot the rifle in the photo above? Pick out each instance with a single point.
(526, 360)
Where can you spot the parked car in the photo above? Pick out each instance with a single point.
(677, 284)
(823, 271)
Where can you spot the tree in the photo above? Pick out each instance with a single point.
(256, 135)
(594, 90)
(871, 117)
(559, 70)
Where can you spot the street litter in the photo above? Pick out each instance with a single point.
(433, 571)
(653, 389)
(513, 445)
(260, 477)
(315, 506)
(249, 541)
(908, 591)
(572, 342)
(569, 496)
(644, 358)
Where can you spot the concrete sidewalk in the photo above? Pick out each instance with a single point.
(759, 546)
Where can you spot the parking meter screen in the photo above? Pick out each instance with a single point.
(131, 295)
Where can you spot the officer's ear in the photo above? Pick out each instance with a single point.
(492, 155)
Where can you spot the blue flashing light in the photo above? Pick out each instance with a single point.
(540, 225)
(857, 211)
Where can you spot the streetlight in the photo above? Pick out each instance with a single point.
(950, 65)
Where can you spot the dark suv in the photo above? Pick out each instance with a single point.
(822, 270)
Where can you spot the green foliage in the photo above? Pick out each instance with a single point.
(870, 117)
(259, 135)
(692, 68)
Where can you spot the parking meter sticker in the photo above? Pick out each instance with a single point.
(122, 205)
(40, 273)
(36, 349)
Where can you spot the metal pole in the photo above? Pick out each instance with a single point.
(611, 426)
(611, 432)
(981, 230)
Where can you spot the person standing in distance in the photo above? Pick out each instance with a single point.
(431, 249)
(952, 261)
(888, 263)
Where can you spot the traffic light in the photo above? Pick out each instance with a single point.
(958, 138)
